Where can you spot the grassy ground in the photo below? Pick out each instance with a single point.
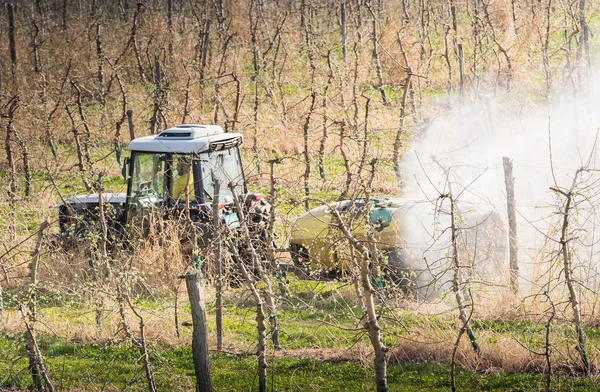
(324, 347)
(77, 366)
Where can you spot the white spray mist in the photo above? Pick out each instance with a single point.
(547, 145)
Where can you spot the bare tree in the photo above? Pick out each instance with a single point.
(368, 258)
(41, 379)
(457, 264)
(565, 253)
(499, 45)
(403, 109)
(216, 221)
(257, 265)
(376, 59)
(159, 97)
(142, 346)
(306, 152)
(260, 315)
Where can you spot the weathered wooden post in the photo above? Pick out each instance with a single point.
(130, 123)
(512, 224)
(200, 333)
(461, 63)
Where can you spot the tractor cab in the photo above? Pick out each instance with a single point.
(178, 168)
(171, 176)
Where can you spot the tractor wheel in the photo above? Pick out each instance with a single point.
(299, 255)
(398, 270)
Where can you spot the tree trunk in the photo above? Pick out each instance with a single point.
(218, 262)
(398, 140)
(204, 55)
(343, 28)
(141, 344)
(12, 179)
(100, 59)
(134, 41)
(457, 284)
(257, 264)
(565, 238)
(306, 150)
(260, 317)
(376, 59)
(323, 143)
(271, 235)
(36, 363)
(155, 121)
(457, 281)
(372, 324)
(200, 333)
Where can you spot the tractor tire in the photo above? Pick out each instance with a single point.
(398, 271)
(299, 255)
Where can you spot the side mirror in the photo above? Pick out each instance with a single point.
(125, 168)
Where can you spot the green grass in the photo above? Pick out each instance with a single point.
(329, 323)
(118, 367)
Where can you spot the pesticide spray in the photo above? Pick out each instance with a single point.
(547, 143)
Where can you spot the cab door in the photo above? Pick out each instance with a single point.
(147, 186)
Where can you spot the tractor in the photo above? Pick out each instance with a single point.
(170, 175)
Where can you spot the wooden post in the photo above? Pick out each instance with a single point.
(200, 333)
(461, 62)
(130, 122)
(512, 224)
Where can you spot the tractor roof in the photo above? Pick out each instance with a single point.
(186, 138)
